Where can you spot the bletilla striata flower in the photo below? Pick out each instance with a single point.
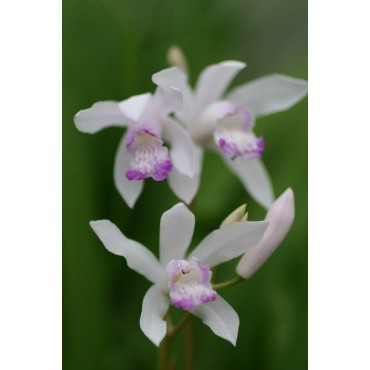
(226, 122)
(142, 152)
(179, 279)
(280, 217)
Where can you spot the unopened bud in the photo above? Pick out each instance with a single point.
(280, 217)
(245, 217)
(237, 215)
(176, 58)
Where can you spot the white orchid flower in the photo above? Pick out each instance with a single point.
(180, 280)
(226, 122)
(141, 153)
(280, 217)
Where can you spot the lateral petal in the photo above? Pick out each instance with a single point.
(129, 190)
(185, 187)
(253, 175)
(99, 116)
(269, 94)
(166, 100)
(134, 107)
(139, 258)
(176, 78)
(220, 317)
(182, 151)
(155, 306)
(231, 241)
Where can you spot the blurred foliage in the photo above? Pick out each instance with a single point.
(110, 50)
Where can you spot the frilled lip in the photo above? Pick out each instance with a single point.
(133, 132)
(216, 114)
(244, 145)
(148, 155)
(189, 283)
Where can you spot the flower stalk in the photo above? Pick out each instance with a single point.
(227, 283)
(164, 353)
(188, 346)
(164, 349)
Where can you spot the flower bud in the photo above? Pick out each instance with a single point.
(176, 58)
(237, 215)
(245, 217)
(280, 217)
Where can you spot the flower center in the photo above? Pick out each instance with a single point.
(189, 283)
(149, 158)
(233, 135)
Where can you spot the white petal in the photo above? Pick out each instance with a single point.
(214, 80)
(129, 190)
(172, 77)
(155, 306)
(220, 317)
(269, 94)
(252, 173)
(133, 108)
(177, 226)
(229, 242)
(280, 217)
(206, 124)
(182, 151)
(101, 115)
(185, 187)
(175, 78)
(218, 110)
(139, 258)
(167, 100)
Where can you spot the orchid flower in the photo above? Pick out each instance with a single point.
(179, 279)
(141, 153)
(226, 122)
(280, 217)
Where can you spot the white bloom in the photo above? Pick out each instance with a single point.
(183, 281)
(280, 217)
(141, 153)
(226, 122)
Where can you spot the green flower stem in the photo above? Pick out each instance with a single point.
(185, 318)
(164, 353)
(214, 271)
(227, 283)
(165, 346)
(164, 350)
(188, 346)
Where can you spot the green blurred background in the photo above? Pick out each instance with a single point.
(110, 50)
